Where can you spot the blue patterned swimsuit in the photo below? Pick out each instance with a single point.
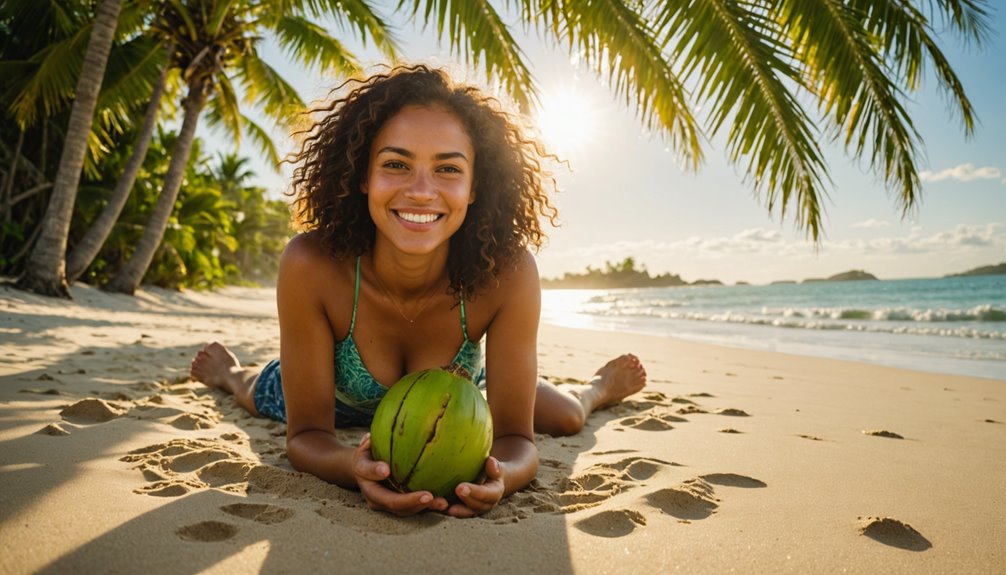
(357, 393)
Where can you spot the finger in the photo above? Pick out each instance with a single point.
(364, 467)
(494, 469)
(480, 498)
(460, 511)
(400, 504)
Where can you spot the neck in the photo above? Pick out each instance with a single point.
(409, 276)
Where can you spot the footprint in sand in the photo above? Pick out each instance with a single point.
(691, 500)
(732, 412)
(207, 531)
(258, 512)
(605, 480)
(166, 489)
(691, 409)
(892, 532)
(882, 433)
(655, 422)
(733, 480)
(50, 391)
(192, 421)
(179, 466)
(695, 499)
(615, 523)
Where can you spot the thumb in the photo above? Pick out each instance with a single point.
(494, 469)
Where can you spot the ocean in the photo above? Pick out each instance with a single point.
(945, 325)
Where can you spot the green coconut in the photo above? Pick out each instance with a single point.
(434, 430)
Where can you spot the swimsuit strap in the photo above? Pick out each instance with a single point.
(464, 324)
(356, 297)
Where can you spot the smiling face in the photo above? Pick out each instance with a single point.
(419, 182)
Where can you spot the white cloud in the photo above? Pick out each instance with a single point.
(871, 224)
(760, 254)
(962, 237)
(963, 173)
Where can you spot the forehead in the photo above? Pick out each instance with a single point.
(425, 127)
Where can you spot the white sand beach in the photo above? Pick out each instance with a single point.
(113, 461)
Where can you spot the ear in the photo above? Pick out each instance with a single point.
(471, 196)
(364, 187)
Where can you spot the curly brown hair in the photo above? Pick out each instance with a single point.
(509, 179)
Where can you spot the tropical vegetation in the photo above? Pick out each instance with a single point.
(623, 274)
(776, 77)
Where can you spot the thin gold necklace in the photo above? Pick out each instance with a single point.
(426, 300)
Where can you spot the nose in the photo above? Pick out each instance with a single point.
(422, 186)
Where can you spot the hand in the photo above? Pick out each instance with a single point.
(477, 499)
(369, 475)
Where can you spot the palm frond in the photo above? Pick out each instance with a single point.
(474, 28)
(260, 137)
(133, 18)
(909, 43)
(53, 83)
(856, 88)
(131, 72)
(359, 14)
(264, 86)
(618, 41)
(313, 46)
(733, 51)
(223, 109)
(970, 18)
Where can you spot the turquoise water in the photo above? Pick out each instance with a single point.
(946, 325)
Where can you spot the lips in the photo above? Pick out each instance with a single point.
(417, 217)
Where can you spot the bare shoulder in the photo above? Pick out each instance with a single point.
(517, 281)
(522, 272)
(307, 264)
(305, 249)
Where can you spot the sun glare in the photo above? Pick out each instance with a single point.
(566, 121)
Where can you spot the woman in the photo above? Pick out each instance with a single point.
(421, 199)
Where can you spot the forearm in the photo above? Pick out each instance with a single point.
(519, 458)
(322, 455)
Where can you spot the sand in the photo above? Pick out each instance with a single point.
(112, 461)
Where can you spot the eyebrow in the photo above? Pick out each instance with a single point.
(411, 156)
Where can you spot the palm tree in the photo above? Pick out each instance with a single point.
(778, 75)
(83, 253)
(218, 38)
(42, 49)
(45, 271)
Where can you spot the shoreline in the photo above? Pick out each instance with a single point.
(932, 334)
(731, 459)
(963, 367)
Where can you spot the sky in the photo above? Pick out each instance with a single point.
(626, 194)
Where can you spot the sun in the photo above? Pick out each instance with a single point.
(566, 121)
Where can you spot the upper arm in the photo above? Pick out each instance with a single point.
(306, 339)
(512, 351)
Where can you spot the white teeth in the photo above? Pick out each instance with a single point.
(418, 218)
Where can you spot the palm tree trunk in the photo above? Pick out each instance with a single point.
(83, 253)
(8, 184)
(45, 270)
(128, 278)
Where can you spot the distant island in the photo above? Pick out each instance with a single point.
(627, 274)
(849, 276)
(624, 274)
(993, 270)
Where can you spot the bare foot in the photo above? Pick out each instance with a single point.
(217, 366)
(618, 379)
